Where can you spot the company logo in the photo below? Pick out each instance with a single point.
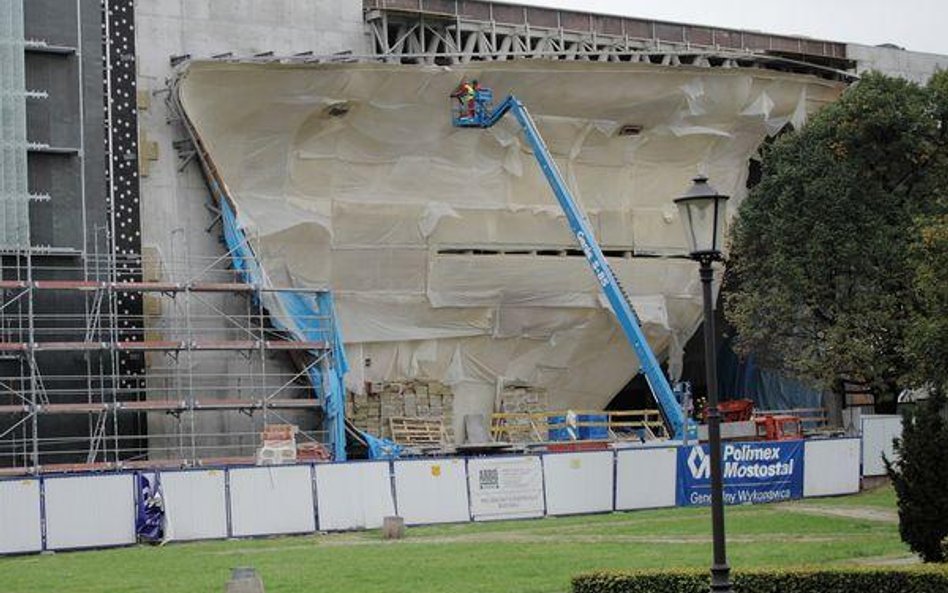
(740, 462)
(699, 464)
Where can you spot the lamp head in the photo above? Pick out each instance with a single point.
(702, 210)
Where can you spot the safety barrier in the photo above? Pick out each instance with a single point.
(83, 511)
(195, 504)
(89, 511)
(645, 478)
(354, 495)
(578, 483)
(432, 491)
(877, 435)
(21, 528)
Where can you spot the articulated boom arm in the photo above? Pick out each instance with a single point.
(480, 116)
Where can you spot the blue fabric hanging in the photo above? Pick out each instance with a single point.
(150, 517)
(768, 389)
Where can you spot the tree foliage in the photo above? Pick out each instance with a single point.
(926, 340)
(920, 476)
(824, 270)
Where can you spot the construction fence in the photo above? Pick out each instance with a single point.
(58, 512)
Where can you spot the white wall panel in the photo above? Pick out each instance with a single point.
(505, 487)
(20, 528)
(578, 482)
(195, 504)
(271, 500)
(831, 467)
(90, 511)
(431, 491)
(877, 435)
(645, 478)
(353, 495)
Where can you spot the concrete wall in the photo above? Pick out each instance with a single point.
(174, 217)
(914, 66)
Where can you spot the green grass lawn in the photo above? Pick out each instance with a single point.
(517, 556)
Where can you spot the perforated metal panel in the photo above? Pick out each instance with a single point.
(14, 194)
(122, 176)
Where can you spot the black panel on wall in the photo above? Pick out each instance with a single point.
(121, 140)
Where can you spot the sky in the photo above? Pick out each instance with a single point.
(917, 25)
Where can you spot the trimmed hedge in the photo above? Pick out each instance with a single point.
(922, 580)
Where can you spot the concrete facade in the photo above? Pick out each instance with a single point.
(174, 199)
(912, 65)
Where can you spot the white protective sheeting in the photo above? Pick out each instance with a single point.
(877, 435)
(645, 478)
(353, 495)
(90, 511)
(351, 177)
(578, 482)
(271, 500)
(431, 491)
(505, 488)
(195, 504)
(830, 467)
(20, 527)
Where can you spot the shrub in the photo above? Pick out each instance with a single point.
(920, 477)
(796, 581)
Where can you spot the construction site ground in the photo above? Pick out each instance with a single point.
(533, 556)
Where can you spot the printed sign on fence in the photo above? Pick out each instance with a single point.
(505, 487)
(753, 473)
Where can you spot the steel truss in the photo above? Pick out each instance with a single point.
(461, 31)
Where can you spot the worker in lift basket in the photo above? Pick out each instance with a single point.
(466, 94)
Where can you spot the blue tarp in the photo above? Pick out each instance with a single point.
(307, 317)
(768, 389)
(380, 448)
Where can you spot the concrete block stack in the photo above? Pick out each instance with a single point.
(523, 399)
(370, 411)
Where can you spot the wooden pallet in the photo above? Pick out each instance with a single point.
(534, 427)
(418, 432)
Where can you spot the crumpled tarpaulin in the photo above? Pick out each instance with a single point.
(444, 248)
(150, 508)
(380, 448)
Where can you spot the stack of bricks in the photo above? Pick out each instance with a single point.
(523, 399)
(370, 411)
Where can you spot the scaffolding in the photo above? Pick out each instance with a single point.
(209, 344)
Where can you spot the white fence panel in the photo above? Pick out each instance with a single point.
(431, 491)
(195, 504)
(271, 500)
(505, 488)
(578, 482)
(20, 527)
(90, 511)
(831, 467)
(877, 435)
(353, 495)
(645, 478)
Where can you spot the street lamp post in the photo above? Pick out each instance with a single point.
(702, 211)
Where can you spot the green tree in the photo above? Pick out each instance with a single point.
(821, 281)
(926, 339)
(920, 476)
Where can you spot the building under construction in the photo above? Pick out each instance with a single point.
(220, 216)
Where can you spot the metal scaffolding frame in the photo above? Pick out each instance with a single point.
(188, 325)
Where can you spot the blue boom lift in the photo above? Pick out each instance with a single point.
(474, 110)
